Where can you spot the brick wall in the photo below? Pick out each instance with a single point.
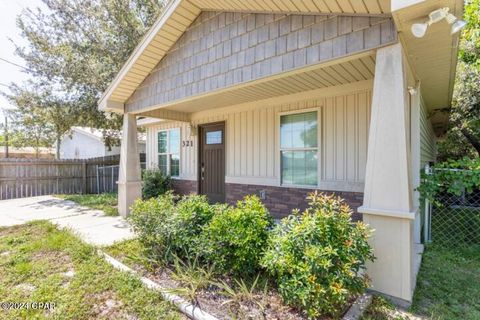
(280, 201)
(184, 186)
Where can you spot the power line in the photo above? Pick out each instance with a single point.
(15, 64)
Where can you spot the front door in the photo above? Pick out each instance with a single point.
(212, 161)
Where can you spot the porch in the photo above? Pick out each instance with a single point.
(219, 120)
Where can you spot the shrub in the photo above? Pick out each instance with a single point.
(168, 228)
(236, 237)
(153, 221)
(193, 212)
(316, 256)
(155, 183)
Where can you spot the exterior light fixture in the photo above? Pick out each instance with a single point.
(457, 26)
(419, 29)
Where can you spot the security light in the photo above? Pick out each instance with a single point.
(419, 29)
(457, 26)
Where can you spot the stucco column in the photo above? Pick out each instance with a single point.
(129, 178)
(388, 205)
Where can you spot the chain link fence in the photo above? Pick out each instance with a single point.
(453, 220)
(107, 177)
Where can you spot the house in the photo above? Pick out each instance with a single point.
(86, 143)
(279, 98)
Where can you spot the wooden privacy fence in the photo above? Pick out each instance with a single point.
(21, 178)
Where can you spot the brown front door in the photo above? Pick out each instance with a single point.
(212, 161)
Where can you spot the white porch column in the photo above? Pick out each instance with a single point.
(388, 205)
(129, 179)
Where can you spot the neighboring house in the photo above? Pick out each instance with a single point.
(86, 143)
(28, 152)
(280, 98)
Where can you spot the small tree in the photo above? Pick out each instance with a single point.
(41, 117)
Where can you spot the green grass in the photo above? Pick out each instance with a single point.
(39, 263)
(448, 287)
(107, 202)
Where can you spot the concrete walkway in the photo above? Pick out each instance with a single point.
(92, 226)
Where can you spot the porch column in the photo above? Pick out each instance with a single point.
(129, 178)
(388, 206)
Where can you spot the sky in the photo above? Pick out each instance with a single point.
(9, 10)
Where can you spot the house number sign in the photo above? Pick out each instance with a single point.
(187, 143)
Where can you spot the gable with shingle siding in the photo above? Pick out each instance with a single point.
(222, 49)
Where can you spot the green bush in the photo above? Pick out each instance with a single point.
(153, 222)
(192, 213)
(236, 237)
(316, 257)
(168, 228)
(155, 183)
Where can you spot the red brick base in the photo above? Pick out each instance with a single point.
(280, 201)
(184, 187)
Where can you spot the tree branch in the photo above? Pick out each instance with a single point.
(474, 141)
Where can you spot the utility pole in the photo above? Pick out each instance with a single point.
(6, 137)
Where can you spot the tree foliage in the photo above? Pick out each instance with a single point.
(41, 117)
(453, 177)
(75, 48)
(463, 136)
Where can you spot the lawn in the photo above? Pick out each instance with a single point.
(42, 264)
(447, 287)
(107, 202)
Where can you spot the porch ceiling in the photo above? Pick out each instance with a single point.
(338, 72)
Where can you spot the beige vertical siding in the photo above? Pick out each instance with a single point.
(427, 138)
(252, 140)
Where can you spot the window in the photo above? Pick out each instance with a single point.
(299, 148)
(169, 152)
(214, 137)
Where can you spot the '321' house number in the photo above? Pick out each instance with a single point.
(187, 143)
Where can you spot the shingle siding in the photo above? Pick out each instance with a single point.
(222, 49)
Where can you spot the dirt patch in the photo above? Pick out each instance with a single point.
(26, 287)
(59, 261)
(106, 306)
(211, 300)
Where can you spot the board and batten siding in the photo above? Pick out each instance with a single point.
(428, 151)
(224, 49)
(252, 140)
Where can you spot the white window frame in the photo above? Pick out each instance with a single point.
(168, 153)
(318, 110)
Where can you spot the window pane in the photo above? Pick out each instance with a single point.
(299, 167)
(162, 142)
(287, 164)
(174, 165)
(214, 137)
(162, 163)
(299, 130)
(174, 141)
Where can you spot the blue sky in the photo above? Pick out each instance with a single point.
(9, 10)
